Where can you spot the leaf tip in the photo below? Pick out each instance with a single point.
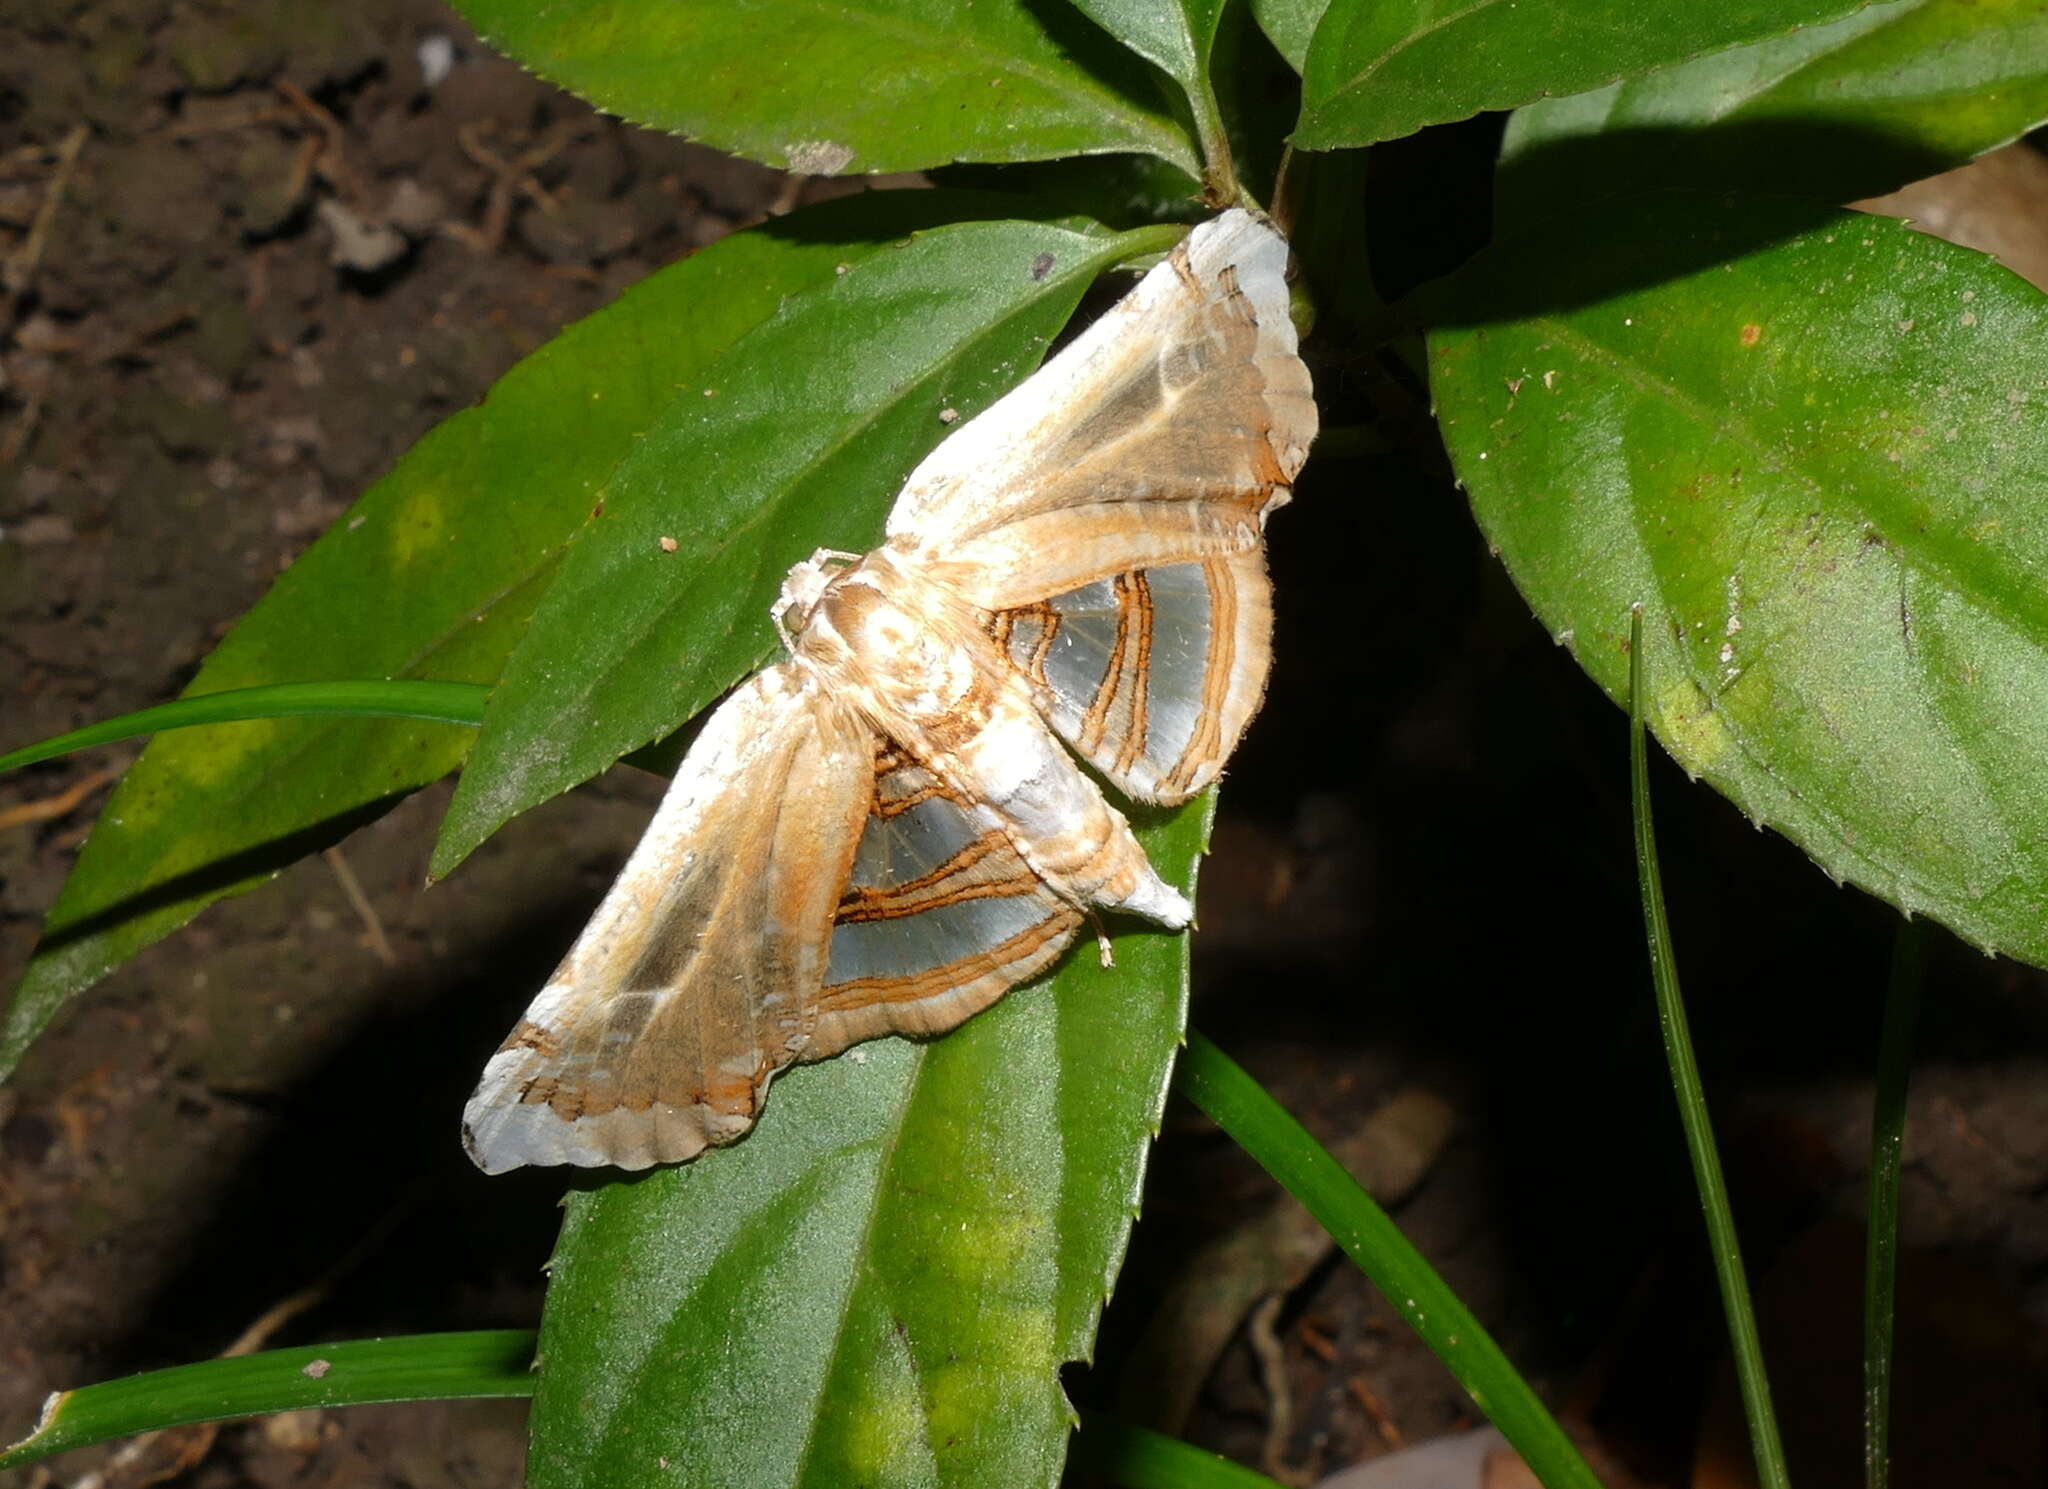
(45, 1421)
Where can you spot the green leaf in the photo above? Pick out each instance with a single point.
(1178, 39)
(432, 574)
(1175, 36)
(798, 439)
(1308, 1171)
(419, 1367)
(1861, 107)
(1290, 25)
(1812, 444)
(1377, 71)
(880, 1284)
(435, 702)
(872, 85)
(1119, 191)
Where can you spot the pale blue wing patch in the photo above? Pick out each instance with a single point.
(1151, 674)
(940, 916)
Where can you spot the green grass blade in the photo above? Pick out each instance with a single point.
(415, 1367)
(1881, 1238)
(436, 702)
(1692, 1101)
(1283, 1147)
(1140, 1458)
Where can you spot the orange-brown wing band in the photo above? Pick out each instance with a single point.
(940, 916)
(1152, 674)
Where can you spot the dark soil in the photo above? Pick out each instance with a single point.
(280, 255)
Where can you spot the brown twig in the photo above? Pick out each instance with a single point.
(21, 431)
(330, 158)
(249, 118)
(18, 270)
(373, 926)
(62, 804)
(1272, 1359)
(1376, 1411)
(509, 179)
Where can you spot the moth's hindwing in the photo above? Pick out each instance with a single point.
(1151, 674)
(939, 918)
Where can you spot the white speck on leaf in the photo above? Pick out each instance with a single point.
(819, 157)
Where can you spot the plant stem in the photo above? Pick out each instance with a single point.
(1692, 1101)
(1219, 171)
(435, 702)
(1140, 1458)
(1881, 1238)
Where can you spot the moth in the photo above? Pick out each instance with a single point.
(889, 830)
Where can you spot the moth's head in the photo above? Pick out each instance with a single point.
(805, 584)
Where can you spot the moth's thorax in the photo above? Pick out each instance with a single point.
(885, 634)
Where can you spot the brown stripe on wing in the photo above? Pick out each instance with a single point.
(931, 890)
(1118, 707)
(1135, 594)
(1021, 956)
(900, 783)
(940, 917)
(1206, 749)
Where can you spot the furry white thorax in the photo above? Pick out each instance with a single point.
(881, 635)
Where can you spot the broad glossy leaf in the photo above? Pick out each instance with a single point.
(1814, 445)
(797, 439)
(1175, 36)
(456, 545)
(880, 1284)
(1290, 25)
(1848, 110)
(870, 85)
(1379, 70)
(1120, 191)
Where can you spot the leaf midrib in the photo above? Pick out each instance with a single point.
(2034, 626)
(1740, 736)
(864, 1273)
(1414, 38)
